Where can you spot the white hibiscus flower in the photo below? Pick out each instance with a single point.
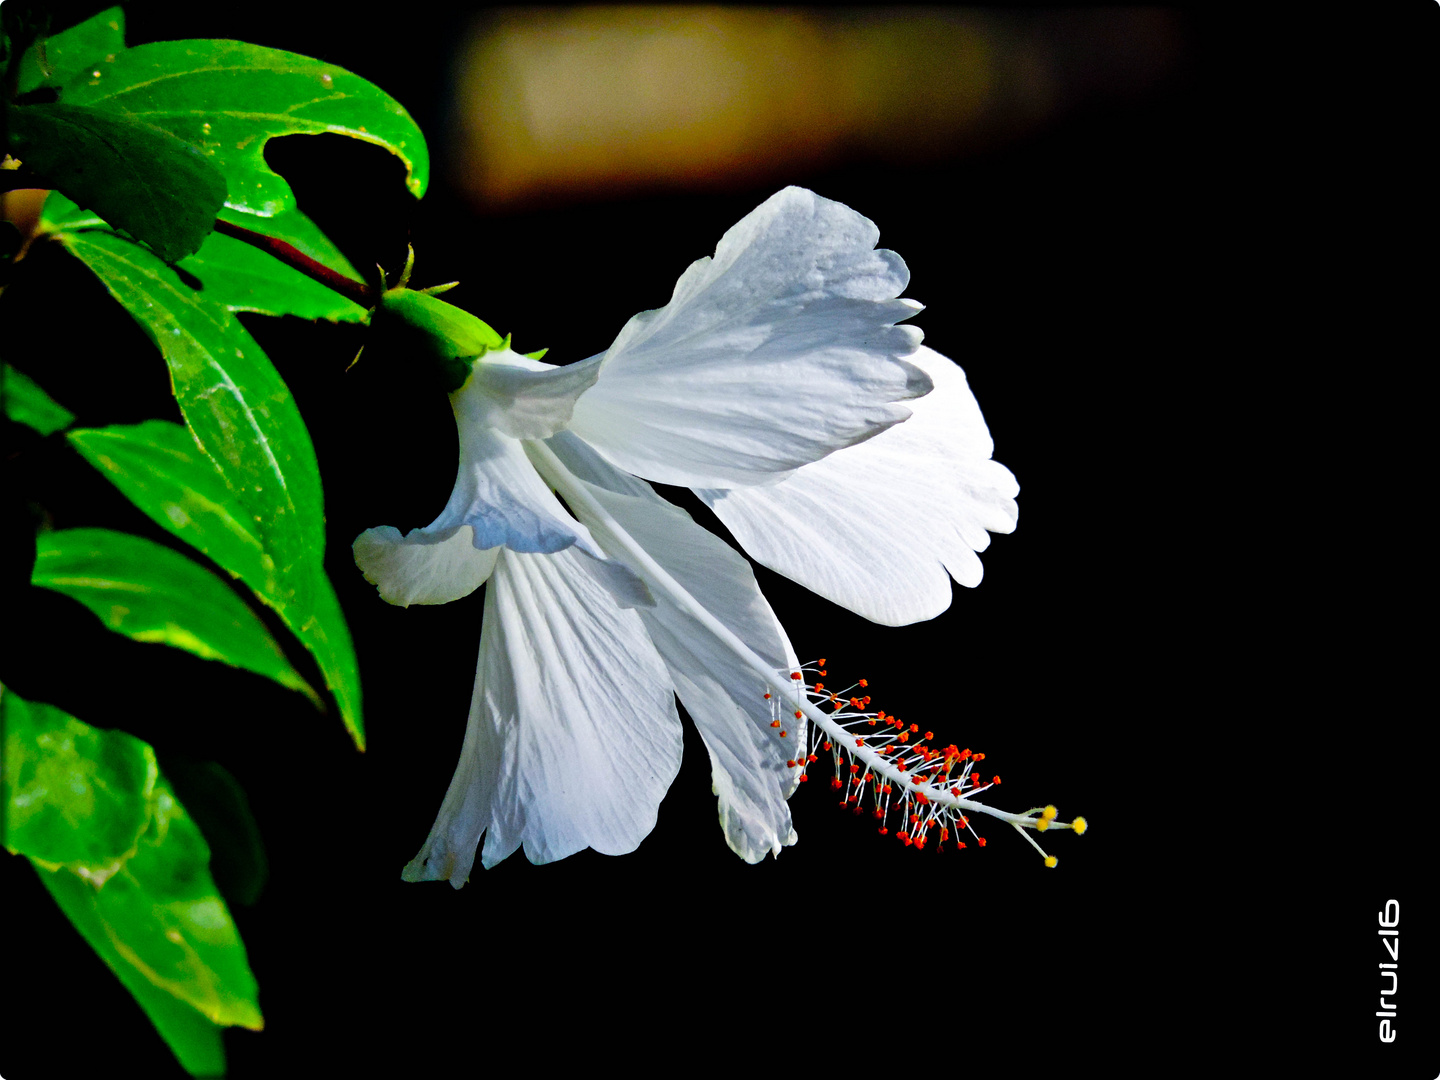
(779, 386)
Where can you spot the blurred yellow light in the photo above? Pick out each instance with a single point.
(564, 103)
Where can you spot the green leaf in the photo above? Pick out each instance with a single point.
(193, 1039)
(240, 277)
(448, 336)
(149, 593)
(138, 177)
(25, 403)
(67, 54)
(237, 276)
(75, 796)
(159, 468)
(234, 401)
(229, 98)
(59, 214)
(155, 916)
(242, 415)
(164, 907)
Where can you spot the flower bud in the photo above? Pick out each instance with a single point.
(432, 330)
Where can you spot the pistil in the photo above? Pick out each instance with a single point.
(895, 769)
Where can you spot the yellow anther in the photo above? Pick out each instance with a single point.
(1050, 861)
(1079, 826)
(1049, 813)
(1042, 824)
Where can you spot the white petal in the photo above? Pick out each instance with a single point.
(573, 736)
(722, 694)
(779, 350)
(422, 567)
(521, 397)
(499, 494)
(875, 527)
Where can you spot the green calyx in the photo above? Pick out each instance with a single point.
(450, 338)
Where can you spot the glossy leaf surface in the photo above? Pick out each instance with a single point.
(64, 55)
(242, 415)
(194, 1040)
(241, 277)
(229, 98)
(150, 593)
(233, 399)
(159, 468)
(151, 911)
(74, 796)
(237, 276)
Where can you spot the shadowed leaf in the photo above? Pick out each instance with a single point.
(136, 176)
(25, 403)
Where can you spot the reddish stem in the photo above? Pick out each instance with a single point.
(290, 255)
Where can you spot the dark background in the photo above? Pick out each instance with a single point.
(1196, 322)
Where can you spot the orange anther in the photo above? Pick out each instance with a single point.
(864, 683)
(979, 757)
(914, 727)
(803, 777)
(783, 734)
(798, 714)
(996, 780)
(767, 696)
(790, 764)
(794, 675)
(980, 840)
(821, 661)
(930, 735)
(774, 723)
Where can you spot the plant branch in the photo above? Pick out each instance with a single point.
(291, 256)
